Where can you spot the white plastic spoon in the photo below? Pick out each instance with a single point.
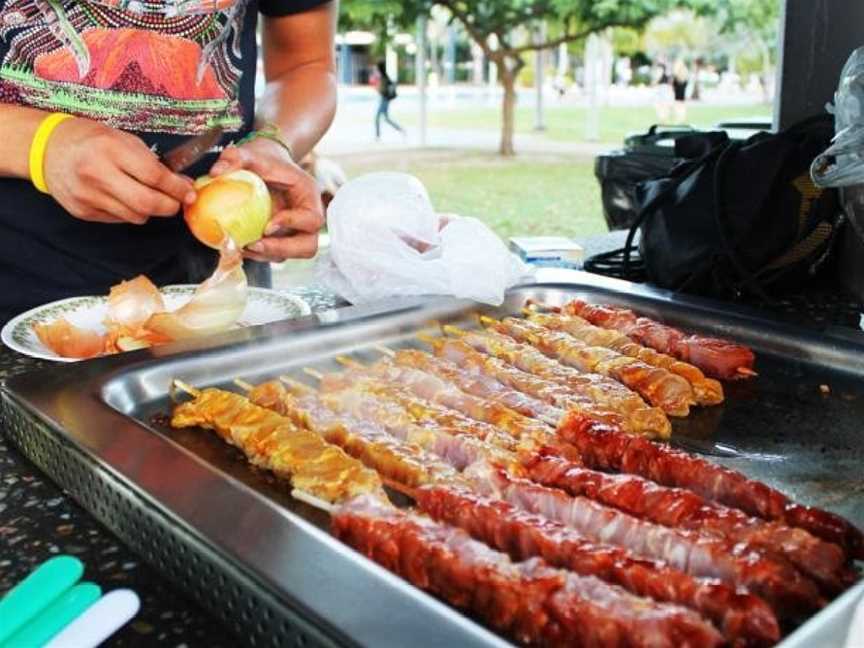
(100, 621)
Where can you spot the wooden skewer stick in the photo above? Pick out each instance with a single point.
(399, 487)
(345, 361)
(311, 500)
(426, 338)
(486, 321)
(387, 351)
(186, 388)
(317, 375)
(453, 331)
(242, 384)
(298, 386)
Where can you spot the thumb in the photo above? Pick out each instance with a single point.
(231, 159)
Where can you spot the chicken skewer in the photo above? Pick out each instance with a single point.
(668, 391)
(613, 450)
(717, 358)
(397, 461)
(707, 391)
(682, 509)
(743, 618)
(530, 601)
(606, 392)
(790, 594)
(467, 357)
(275, 443)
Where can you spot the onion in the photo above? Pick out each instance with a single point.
(216, 305)
(69, 341)
(131, 303)
(236, 204)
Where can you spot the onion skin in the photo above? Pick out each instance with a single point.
(237, 204)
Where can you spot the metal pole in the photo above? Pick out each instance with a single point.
(421, 75)
(539, 38)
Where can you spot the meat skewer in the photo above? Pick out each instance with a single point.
(399, 461)
(424, 413)
(717, 358)
(273, 442)
(530, 601)
(467, 357)
(389, 419)
(612, 450)
(605, 391)
(481, 385)
(707, 391)
(434, 389)
(682, 509)
(790, 594)
(744, 619)
(668, 391)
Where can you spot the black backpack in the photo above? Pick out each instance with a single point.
(738, 218)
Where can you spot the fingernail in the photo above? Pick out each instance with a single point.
(271, 229)
(256, 247)
(218, 168)
(190, 198)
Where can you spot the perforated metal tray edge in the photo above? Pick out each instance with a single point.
(243, 605)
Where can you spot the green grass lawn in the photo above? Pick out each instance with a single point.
(527, 195)
(568, 123)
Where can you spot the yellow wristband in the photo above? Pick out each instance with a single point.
(38, 146)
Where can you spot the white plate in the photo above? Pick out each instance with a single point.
(262, 306)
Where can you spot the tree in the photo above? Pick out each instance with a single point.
(505, 30)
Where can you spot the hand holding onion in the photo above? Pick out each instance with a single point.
(232, 198)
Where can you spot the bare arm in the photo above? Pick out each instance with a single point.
(301, 100)
(95, 172)
(17, 127)
(300, 69)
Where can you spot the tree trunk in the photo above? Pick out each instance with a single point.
(508, 108)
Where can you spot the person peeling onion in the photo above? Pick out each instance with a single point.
(236, 204)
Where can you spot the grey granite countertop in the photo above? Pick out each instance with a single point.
(38, 520)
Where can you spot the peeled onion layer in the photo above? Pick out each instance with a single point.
(70, 341)
(216, 305)
(132, 303)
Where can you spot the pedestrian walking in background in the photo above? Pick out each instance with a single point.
(680, 79)
(387, 92)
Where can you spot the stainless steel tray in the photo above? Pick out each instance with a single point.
(264, 562)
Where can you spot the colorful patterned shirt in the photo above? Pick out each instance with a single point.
(162, 69)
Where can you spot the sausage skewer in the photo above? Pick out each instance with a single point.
(717, 358)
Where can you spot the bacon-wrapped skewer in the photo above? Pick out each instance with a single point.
(683, 509)
(423, 412)
(432, 388)
(717, 358)
(467, 357)
(482, 385)
(606, 392)
(707, 391)
(668, 391)
(530, 601)
(744, 619)
(790, 594)
(612, 450)
(457, 450)
(396, 460)
(275, 443)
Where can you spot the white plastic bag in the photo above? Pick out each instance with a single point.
(387, 240)
(842, 163)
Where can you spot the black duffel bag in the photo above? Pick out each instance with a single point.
(738, 218)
